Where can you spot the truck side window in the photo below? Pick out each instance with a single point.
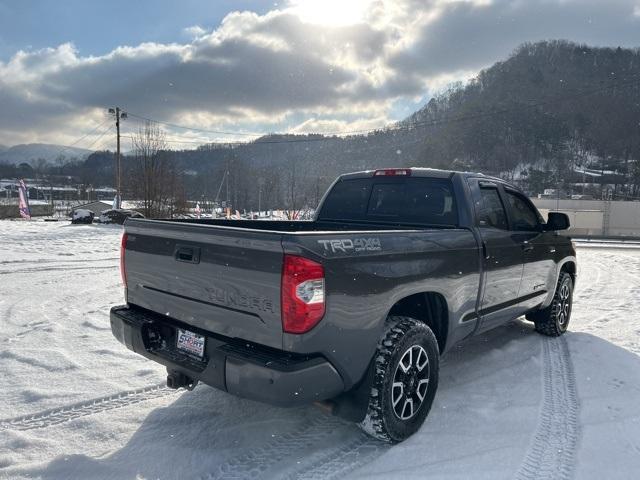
(524, 217)
(491, 213)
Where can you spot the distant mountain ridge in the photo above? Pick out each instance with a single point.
(541, 117)
(547, 111)
(30, 153)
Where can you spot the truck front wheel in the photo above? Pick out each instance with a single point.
(554, 320)
(405, 380)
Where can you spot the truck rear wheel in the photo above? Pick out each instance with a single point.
(554, 320)
(405, 380)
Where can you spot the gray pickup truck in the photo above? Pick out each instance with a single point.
(352, 309)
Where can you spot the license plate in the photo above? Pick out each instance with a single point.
(190, 342)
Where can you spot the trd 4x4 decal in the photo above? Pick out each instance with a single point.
(351, 245)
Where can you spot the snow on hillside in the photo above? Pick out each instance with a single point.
(75, 404)
(31, 152)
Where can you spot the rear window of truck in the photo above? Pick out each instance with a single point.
(413, 200)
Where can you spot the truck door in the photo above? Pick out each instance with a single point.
(538, 247)
(502, 256)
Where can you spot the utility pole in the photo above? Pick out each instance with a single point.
(227, 177)
(118, 114)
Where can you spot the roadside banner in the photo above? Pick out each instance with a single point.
(25, 212)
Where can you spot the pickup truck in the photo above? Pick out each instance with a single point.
(353, 309)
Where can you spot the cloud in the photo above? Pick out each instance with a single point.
(471, 35)
(194, 31)
(333, 126)
(299, 67)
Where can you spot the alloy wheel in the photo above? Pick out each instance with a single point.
(410, 382)
(564, 304)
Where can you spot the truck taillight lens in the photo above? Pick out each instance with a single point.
(393, 172)
(123, 247)
(302, 294)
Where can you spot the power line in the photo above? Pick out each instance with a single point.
(67, 147)
(350, 150)
(413, 126)
(619, 83)
(199, 142)
(86, 135)
(174, 125)
(98, 138)
(101, 146)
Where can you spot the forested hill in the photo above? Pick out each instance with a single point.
(548, 110)
(554, 101)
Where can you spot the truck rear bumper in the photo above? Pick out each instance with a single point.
(240, 368)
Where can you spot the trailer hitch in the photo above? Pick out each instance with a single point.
(177, 380)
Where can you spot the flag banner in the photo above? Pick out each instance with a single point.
(24, 201)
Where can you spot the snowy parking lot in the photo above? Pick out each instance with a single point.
(512, 404)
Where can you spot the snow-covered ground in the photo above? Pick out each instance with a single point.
(74, 403)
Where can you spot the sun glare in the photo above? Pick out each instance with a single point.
(330, 12)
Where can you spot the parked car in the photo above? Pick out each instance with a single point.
(82, 216)
(354, 308)
(118, 216)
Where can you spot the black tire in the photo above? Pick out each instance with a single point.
(410, 341)
(553, 321)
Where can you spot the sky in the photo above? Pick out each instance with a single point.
(242, 68)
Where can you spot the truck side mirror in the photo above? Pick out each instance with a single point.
(557, 221)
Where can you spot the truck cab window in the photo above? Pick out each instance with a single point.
(523, 215)
(415, 200)
(347, 199)
(427, 201)
(491, 213)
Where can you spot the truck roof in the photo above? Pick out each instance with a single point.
(417, 172)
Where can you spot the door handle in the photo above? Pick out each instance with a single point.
(188, 254)
(527, 247)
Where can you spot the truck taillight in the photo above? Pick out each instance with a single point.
(302, 294)
(393, 172)
(123, 247)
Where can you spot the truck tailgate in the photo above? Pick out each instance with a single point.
(220, 279)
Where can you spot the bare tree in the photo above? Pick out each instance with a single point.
(154, 176)
(297, 187)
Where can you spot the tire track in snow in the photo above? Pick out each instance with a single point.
(53, 269)
(66, 413)
(342, 459)
(552, 453)
(40, 261)
(255, 463)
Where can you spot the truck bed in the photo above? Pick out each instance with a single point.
(224, 276)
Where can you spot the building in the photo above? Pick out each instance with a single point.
(96, 207)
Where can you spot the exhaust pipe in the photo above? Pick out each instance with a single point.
(177, 380)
